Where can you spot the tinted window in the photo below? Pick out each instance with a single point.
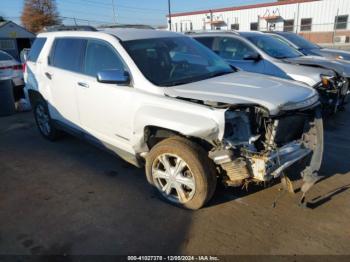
(207, 41)
(4, 56)
(175, 60)
(300, 41)
(100, 56)
(67, 53)
(36, 49)
(274, 47)
(231, 48)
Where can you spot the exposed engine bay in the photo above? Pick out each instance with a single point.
(333, 92)
(258, 148)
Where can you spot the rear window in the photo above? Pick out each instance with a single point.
(36, 49)
(67, 53)
(4, 56)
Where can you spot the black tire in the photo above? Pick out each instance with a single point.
(47, 130)
(199, 166)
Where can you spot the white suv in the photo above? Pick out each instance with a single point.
(161, 100)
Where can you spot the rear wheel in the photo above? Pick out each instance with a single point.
(181, 172)
(44, 121)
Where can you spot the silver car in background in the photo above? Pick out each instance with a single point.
(260, 53)
(10, 68)
(309, 48)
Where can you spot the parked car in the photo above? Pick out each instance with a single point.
(10, 68)
(162, 101)
(260, 53)
(309, 48)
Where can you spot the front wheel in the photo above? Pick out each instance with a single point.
(181, 172)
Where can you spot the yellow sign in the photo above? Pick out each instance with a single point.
(13, 34)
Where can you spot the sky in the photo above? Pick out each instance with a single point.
(150, 12)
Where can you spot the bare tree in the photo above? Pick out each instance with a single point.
(37, 14)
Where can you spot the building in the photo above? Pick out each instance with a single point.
(13, 38)
(321, 21)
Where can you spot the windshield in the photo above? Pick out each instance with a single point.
(4, 56)
(300, 41)
(175, 60)
(274, 47)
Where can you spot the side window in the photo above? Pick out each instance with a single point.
(207, 41)
(36, 49)
(100, 56)
(67, 53)
(232, 48)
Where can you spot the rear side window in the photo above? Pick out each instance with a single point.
(67, 53)
(36, 49)
(207, 41)
(100, 56)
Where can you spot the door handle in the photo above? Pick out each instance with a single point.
(48, 75)
(83, 84)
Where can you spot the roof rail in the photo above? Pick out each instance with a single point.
(56, 28)
(137, 26)
(211, 32)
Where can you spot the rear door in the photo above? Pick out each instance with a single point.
(34, 65)
(62, 74)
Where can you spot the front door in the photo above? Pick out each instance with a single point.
(235, 51)
(104, 108)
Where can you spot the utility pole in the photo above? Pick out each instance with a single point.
(114, 16)
(169, 14)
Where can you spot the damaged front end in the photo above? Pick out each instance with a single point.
(258, 148)
(333, 92)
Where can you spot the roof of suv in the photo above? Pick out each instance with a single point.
(124, 34)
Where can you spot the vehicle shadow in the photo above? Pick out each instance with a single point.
(320, 200)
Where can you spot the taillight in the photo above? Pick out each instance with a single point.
(17, 67)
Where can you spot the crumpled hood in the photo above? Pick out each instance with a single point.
(245, 88)
(340, 67)
(334, 53)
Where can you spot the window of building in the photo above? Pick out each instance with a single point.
(341, 22)
(180, 27)
(253, 26)
(235, 27)
(306, 24)
(175, 27)
(191, 26)
(288, 25)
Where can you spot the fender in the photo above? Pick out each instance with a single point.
(193, 121)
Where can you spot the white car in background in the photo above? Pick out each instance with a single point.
(10, 68)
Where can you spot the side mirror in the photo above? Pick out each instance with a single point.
(24, 55)
(252, 56)
(114, 76)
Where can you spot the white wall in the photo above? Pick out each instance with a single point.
(322, 13)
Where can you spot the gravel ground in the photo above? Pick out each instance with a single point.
(69, 197)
